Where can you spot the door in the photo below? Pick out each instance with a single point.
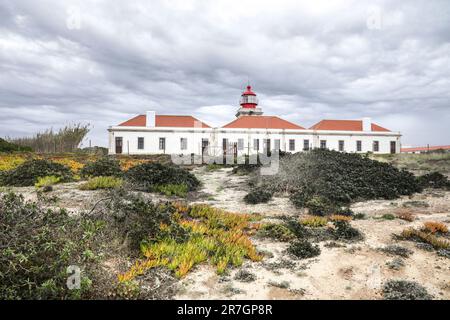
(393, 147)
(119, 143)
(267, 147)
(235, 150)
(205, 145)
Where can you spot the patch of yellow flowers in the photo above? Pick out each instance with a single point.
(215, 236)
(10, 161)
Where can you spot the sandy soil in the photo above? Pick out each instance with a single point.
(353, 271)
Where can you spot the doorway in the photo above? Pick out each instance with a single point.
(393, 147)
(119, 144)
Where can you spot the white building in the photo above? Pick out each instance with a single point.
(250, 133)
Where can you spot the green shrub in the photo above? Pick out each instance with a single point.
(148, 175)
(103, 167)
(344, 231)
(36, 247)
(47, 181)
(102, 183)
(303, 249)
(388, 216)
(6, 146)
(277, 231)
(359, 216)
(28, 173)
(179, 190)
(258, 195)
(434, 180)
(404, 290)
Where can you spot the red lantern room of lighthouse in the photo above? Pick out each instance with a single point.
(249, 103)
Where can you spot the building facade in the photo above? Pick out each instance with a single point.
(250, 133)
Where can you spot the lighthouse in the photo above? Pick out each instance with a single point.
(249, 104)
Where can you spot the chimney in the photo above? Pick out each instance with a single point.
(366, 124)
(150, 119)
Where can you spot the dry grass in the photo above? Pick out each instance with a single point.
(433, 227)
(405, 214)
(418, 162)
(418, 235)
(338, 217)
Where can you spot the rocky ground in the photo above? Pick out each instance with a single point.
(349, 271)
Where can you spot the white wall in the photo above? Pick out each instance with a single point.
(215, 137)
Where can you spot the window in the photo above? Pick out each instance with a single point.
(240, 144)
(225, 145)
(277, 144)
(183, 143)
(140, 143)
(256, 144)
(376, 146)
(162, 143)
(323, 144)
(267, 145)
(305, 145)
(341, 145)
(359, 145)
(291, 145)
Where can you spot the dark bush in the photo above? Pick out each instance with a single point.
(103, 167)
(28, 173)
(148, 175)
(404, 290)
(36, 247)
(245, 276)
(296, 228)
(340, 178)
(434, 180)
(137, 219)
(320, 206)
(6, 146)
(303, 249)
(344, 231)
(397, 250)
(258, 195)
(277, 231)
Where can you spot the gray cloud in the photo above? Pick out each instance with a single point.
(307, 61)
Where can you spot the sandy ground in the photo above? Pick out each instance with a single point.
(353, 271)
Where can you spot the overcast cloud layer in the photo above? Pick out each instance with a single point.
(103, 62)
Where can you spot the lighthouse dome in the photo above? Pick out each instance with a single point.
(248, 98)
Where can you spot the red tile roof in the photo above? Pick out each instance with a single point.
(164, 121)
(261, 122)
(430, 148)
(344, 125)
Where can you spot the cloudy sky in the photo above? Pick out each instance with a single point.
(102, 62)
